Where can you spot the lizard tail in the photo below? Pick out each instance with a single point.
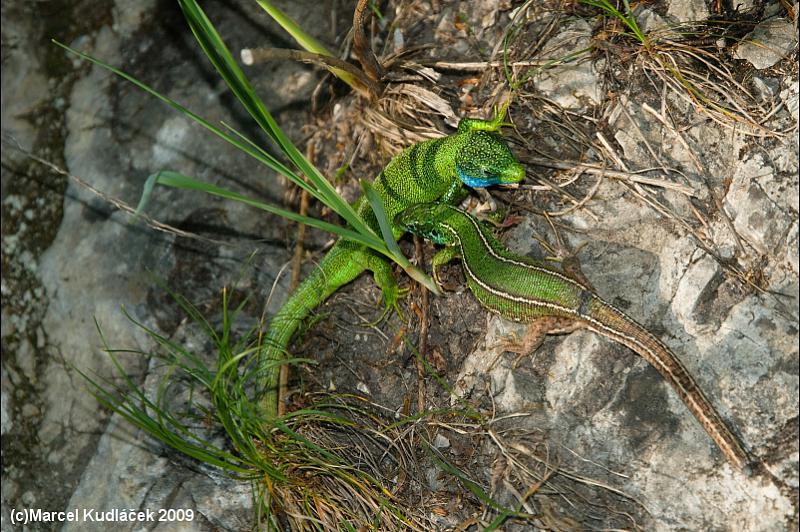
(326, 278)
(606, 320)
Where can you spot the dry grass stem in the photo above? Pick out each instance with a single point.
(477, 66)
(254, 56)
(362, 48)
(632, 177)
(407, 114)
(714, 92)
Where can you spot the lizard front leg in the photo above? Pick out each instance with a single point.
(381, 270)
(441, 258)
(455, 194)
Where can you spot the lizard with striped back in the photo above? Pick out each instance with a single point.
(526, 290)
(433, 170)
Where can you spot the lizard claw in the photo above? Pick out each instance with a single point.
(391, 299)
(394, 304)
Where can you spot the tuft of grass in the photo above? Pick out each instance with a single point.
(299, 463)
(685, 59)
(315, 183)
(627, 18)
(513, 31)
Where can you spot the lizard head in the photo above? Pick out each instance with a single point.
(485, 159)
(429, 221)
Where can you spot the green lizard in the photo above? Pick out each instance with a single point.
(433, 170)
(526, 290)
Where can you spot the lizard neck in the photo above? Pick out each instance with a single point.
(422, 173)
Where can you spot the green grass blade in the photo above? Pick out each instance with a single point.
(158, 427)
(177, 180)
(383, 222)
(306, 41)
(229, 70)
(246, 146)
(391, 243)
(326, 195)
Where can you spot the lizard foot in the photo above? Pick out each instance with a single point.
(534, 335)
(391, 300)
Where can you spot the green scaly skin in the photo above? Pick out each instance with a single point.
(433, 170)
(522, 289)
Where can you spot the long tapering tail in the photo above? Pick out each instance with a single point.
(326, 278)
(606, 320)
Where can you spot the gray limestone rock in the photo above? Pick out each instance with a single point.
(649, 21)
(757, 201)
(789, 96)
(601, 411)
(768, 43)
(687, 10)
(574, 84)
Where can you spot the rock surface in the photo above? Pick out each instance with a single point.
(69, 258)
(574, 84)
(687, 10)
(768, 43)
(61, 450)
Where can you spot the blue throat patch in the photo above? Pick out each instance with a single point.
(477, 182)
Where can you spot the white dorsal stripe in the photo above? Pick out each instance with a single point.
(508, 260)
(662, 360)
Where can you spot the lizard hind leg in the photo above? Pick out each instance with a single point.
(535, 333)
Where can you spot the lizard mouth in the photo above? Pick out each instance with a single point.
(484, 177)
(513, 174)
